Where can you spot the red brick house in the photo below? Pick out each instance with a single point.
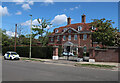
(73, 36)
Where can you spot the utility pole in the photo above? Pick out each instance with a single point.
(30, 36)
(15, 36)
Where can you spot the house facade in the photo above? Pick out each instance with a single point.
(72, 36)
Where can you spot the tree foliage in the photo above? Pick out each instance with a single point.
(105, 33)
(41, 31)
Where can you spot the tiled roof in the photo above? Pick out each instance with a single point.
(85, 27)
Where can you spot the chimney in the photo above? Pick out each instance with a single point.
(68, 21)
(83, 18)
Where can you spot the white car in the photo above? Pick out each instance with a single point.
(11, 55)
(67, 54)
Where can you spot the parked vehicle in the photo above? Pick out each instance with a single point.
(11, 55)
(67, 54)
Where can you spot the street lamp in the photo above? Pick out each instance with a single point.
(30, 36)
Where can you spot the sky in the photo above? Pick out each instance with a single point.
(57, 12)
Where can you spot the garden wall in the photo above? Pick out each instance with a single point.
(111, 54)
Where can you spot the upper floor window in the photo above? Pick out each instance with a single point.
(69, 31)
(75, 37)
(58, 38)
(56, 31)
(51, 39)
(79, 28)
(69, 37)
(84, 36)
(64, 38)
(93, 28)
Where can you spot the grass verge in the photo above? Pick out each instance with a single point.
(95, 65)
(32, 59)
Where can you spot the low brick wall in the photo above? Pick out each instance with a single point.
(111, 54)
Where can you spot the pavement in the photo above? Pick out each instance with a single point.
(20, 70)
(73, 62)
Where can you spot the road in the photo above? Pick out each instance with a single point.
(40, 71)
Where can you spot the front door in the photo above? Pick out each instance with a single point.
(68, 49)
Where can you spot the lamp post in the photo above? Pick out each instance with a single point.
(30, 36)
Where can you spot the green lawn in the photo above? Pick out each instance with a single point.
(95, 65)
(32, 59)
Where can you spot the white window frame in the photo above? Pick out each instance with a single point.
(84, 36)
(79, 28)
(93, 28)
(56, 31)
(63, 38)
(70, 31)
(76, 37)
(58, 38)
(70, 37)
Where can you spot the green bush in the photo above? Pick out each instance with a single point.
(86, 54)
(37, 52)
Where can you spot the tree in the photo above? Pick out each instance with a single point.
(41, 30)
(117, 39)
(105, 32)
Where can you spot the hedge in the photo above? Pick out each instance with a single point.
(37, 52)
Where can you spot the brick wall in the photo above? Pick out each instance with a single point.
(107, 55)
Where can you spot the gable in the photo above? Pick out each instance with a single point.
(70, 30)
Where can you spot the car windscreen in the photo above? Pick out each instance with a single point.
(13, 53)
(8, 53)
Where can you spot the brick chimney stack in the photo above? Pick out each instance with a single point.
(83, 18)
(68, 21)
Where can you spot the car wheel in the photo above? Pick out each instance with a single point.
(10, 58)
(4, 58)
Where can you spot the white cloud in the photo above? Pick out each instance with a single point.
(30, 2)
(3, 11)
(26, 6)
(71, 8)
(27, 23)
(75, 7)
(34, 22)
(18, 13)
(59, 19)
(19, 1)
(11, 34)
(48, 1)
(49, 26)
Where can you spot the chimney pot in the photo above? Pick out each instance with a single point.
(68, 21)
(83, 18)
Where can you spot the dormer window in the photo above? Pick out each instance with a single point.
(79, 28)
(93, 28)
(56, 31)
(65, 29)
